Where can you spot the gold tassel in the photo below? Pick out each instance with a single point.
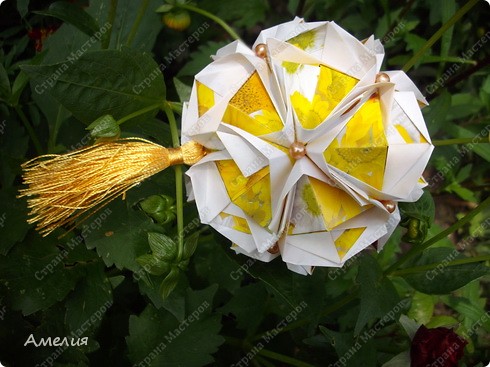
(63, 187)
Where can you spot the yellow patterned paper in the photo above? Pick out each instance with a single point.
(347, 239)
(251, 194)
(205, 98)
(304, 40)
(251, 109)
(363, 147)
(335, 205)
(331, 88)
(240, 224)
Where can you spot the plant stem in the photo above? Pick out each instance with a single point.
(106, 38)
(30, 130)
(266, 353)
(176, 107)
(435, 37)
(179, 192)
(263, 361)
(282, 358)
(468, 72)
(459, 141)
(422, 268)
(415, 250)
(137, 21)
(54, 134)
(213, 17)
(139, 112)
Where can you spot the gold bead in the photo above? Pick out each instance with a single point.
(297, 150)
(274, 249)
(389, 205)
(261, 50)
(382, 78)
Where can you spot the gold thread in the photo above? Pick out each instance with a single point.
(175, 156)
(63, 187)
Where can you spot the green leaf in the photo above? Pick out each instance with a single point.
(201, 300)
(162, 246)
(20, 83)
(153, 129)
(117, 280)
(244, 306)
(90, 300)
(73, 14)
(35, 276)
(201, 58)
(473, 314)
(377, 294)
(415, 43)
(15, 143)
(423, 209)
(153, 265)
(345, 345)
(461, 191)
(109, 82)
(104, 127)
(400, 360)
(164, 8)
(417, 217)
(149, 26)
(13, 224)
(422, 308)
(122, 236)
(160, 208)
(190, 245)
(183, 90)
(464, 105)
(464, 173)
(69, 43)
(5, 90)
(410, 326)
(442, 321)
(164, 341)
(435, 114)
(243, 14)
(447, 8)
(213, 263)
(23, 7)
(442, 279)
(170, 282)
(483, 150)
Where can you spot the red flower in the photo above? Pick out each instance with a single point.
(40, 34)
(438, 347)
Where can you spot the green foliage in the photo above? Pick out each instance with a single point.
(417, 218)
(104, 127)
(72, 14)
(164, 340)
(377, 294)
(160, 208)
(444, 274)
(98, 83)
(142, 289)
(41, 281)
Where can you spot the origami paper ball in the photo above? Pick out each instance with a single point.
(312, 146)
